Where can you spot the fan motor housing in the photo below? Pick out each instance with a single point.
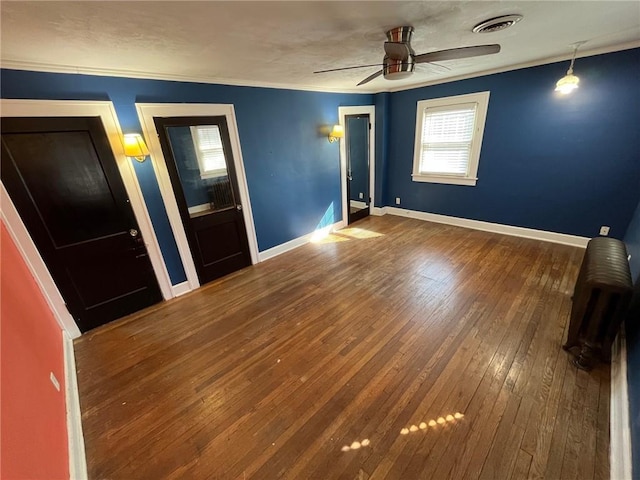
(400, 34)
(396, 69)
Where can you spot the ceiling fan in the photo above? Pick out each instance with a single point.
(400, 59)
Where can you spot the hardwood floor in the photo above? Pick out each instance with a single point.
(379, 335)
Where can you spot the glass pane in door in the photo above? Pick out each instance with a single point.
(202, 167)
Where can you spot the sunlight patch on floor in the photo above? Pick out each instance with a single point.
(356, 445)
(345, 235)
(433, 423)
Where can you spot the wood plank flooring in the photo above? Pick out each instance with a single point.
(350, 358)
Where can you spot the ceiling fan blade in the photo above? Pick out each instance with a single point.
(349, 68)
(456, 53)
(370, 77)
(397, 50)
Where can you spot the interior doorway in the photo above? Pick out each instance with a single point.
(148, 113)
(357, 148)
(63, 179)
(357, 162)
(200, 163)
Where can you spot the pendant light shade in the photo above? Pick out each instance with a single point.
(569, 82)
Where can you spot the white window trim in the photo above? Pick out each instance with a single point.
(470, 179)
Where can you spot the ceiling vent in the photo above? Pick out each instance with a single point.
(496, 24)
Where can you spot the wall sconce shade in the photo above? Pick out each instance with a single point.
(337, 132)
(135, 147)
(569, 82)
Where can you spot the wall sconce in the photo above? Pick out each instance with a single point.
(337, 132)
(569, 82)
(135, 147)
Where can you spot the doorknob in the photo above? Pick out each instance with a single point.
(239, 207)
(133, 232)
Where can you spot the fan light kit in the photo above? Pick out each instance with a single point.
(400, 59)
(569, 82)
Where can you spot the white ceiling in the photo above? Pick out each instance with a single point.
(282, 43)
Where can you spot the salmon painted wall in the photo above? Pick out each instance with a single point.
(34, 426)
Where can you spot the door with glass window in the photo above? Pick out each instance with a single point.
(199, 160)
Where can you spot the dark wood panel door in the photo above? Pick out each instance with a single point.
(63, 179)
(200, 164)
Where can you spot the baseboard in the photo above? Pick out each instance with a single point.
(620, 444)
(543, 235)
(180, 289)
(298, 242)
(77, 456)
(379, 211)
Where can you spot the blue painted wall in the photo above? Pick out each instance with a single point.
(565, 164)
(293, 172)
(632, 240)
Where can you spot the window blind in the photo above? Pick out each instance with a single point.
(210, 151)
(447, 134)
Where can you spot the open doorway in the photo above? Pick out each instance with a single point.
(357, 149)
(357, 162)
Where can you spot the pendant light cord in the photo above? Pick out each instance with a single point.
(573, 59)
(576, 46)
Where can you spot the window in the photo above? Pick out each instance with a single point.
(448, 139)
(209, 151)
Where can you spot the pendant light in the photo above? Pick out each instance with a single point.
(569, 82)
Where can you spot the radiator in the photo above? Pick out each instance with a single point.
(600, 301)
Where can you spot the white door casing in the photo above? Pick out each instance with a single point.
(146, 113)
(342, 113)
(107, 113)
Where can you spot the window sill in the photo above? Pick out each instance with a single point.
(468, 181)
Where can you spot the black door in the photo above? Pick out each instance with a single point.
(200, 164)
(63, 179)
(357, 148)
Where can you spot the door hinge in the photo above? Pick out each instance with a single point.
(369, 126)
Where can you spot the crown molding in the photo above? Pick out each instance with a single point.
(121, 73)
(533, 63)
(107, 72)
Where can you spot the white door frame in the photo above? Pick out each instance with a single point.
(146, 113)
(342, 113)
(73, 108)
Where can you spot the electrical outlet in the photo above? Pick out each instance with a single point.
(397, 200)
(604, 230)
(361, 195)
(55, 381)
